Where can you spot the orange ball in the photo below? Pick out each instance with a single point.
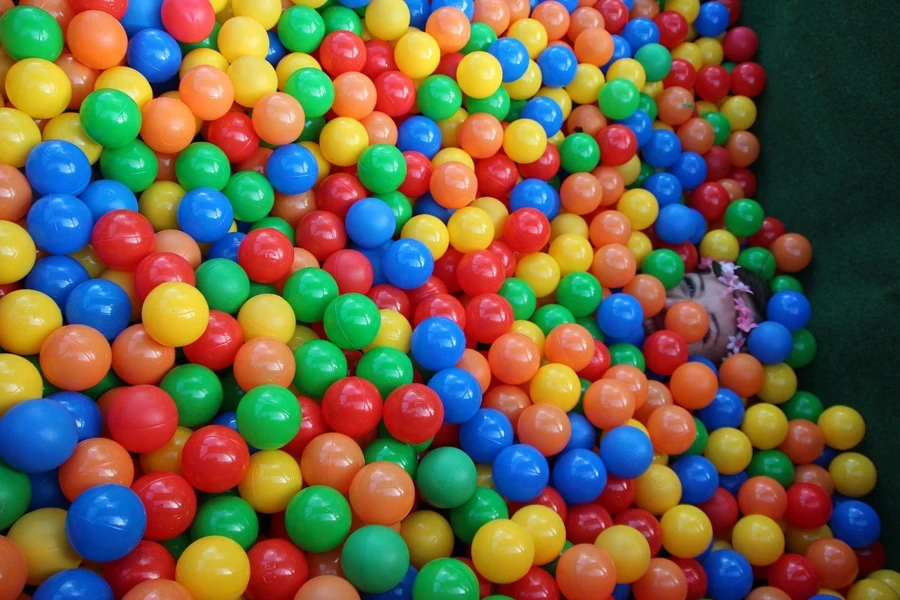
(514, 358)
(453, 185)
(767, 593)
(158, 589)
(554, 17)
(634, 379)
(608, 403)
(167, 125)
(676, 105)
(380, 128)
(582, 18)
(609, 227)
(585, 572)
(743, 148)
(13, 569)
(672, 429)
(354, 95)
(742, 374)
(614, 265)
(594, 46)
(696, 135)
(61, 10)
(835, 563)
(15, 194)
(293, 207)
(518, 10)
(137, 358)
(481, 134)
(331, 459)
(663, 580)
(327, 587)
(97, 39)
(647, 9)
(762, 496)
(166, 170)
(693, 385)
(688, 319)
(80, 76)
(657, 395)
(95, 461)
(580, 193)
(546, 427)
(450, 28)
(263, 361)
(493, 13)
(612, 182)
(508, 399)
(588, 119)
(650, 293)
(478, 365)
(804, 443)
(180, 243)
(75, 357)
(571, 345)
(792, 251)
(382, 493)
(207, 91)
(816, 475)
(278, 119)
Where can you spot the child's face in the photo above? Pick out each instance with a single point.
(709, 292)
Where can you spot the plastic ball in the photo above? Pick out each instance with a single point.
(175, 314)
(390, 564)
(34, 424)
(214, 554)
(503, 551)
(105, 522)
(520, 473)
(318, 519)
(585, 571)
(628, 549)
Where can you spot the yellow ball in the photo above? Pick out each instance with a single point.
(561, 97)
(479, 74)
(719, 244)
(653, 88)
(451, 154)
(18, 135)
(417, 54)
(41, 536)
(568, 223)
(243, 36)
(766, 426)
(394, 332)
(759, 539)
(387, 19)
(321, 162)
(585, 88)
(547, 531)
(176, 314)
(167, 458)
(628, 549)
(798, 540)
(729, 450)
(202, 56)
(17, 252)
(527, 85)
(450, 139)
(159, 204)
(38, 87)
(571, 252)
(531, 331)
(214, 568)
(639, 207)
(470, 229)
(871, 589)
(67, 126)
(27, 318)
(690, 52)
(125, 280)
(779, 385)
(555, 384)
(657, 490)
(19, 380)
(497, 212)
(524, 141)
(253, 78)
(631, 170)
(342, 141)
(272, 479)
(843, 427)
(310, 3)
(557, 138)
(630, 69)
(704, 107)
(689, 9)
(853, 474)
(127, 81)
(484, 476)
(302, 334)
(502, 551)
(888, 577)
(740, 112)
(267, 315)
(88, 259)
(686, 531)
(292, 63)
(532, 33)
(429, 230)
(264, 12)
(428, 536)
(640, 245)
(710, 51)
(540, 271)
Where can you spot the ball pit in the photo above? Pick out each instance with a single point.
(341, 263)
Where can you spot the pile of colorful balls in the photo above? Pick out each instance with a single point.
(410, 300)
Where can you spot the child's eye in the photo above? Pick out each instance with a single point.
(691, 288)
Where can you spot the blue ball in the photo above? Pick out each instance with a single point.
(626, 452)
(690, 169)
(370, 222)
(401, 591)
(106, 522)
(665, 187)
(277, 50)
(74, 584)
(726, 410)
(729, 575)
(700, 226)
(622, 591)
(705, 361)
(620, 316)
(460, 394)
(107, 195)
(675, 224)
(712, 20)
(100, 304)
(579, 476)
(662, 151)
(855, 523)
(419, 134)
(699, 479)
(205, 214)
(427, 205)
(512, 56)
(154, 54)
(375, 256)
(60, 224)
(292, 169)
(521, 473)
(732, 483)
(88, 420)
(621, 49)
(419, 11)
(789, 308)
(354, 3)
(583, 433)
(641, 125)
(227, 246)
(56, 276)
(635, 338)
(229, 420)
(437, 343)
(37, 435)
(545, 112)
(536, 194)
(557, 64)
(770, 342)
(407, 263)
(142, 14)
(45, 491)
(639, 32)
(57, 167)
(485, 435)
(466, 6)
(824, 459)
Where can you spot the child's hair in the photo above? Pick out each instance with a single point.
(759, 299)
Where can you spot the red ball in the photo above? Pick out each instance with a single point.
(312, 426)
(795, 576)
(234, 134)
(214, 459)
(506, 254)
(600, 363)
(387, 297)
(338, 192)
(432, 286)
(713, 83)
(526, 230)
(687, 252)
(395, 93)
(682, 74)
(871, 558)
(543, 168)
(379, 58)
(352, 406)
(618, 145)
(342, 52)
(266, 255)
(722, 510)
(695, 576)
(584, 522)
(644, 522)
(618, 494)
(488, 316)
(496, 176)
(418, 174)
(142, 418)
(188, 21)
(711, 200)
(440, 305)
(480, 272)
(448, 65)
(537, 584)
(673, 28)
(116, 8)
(158, 268)
(615, 15)
(170, 502)
(718, 163)
(808, 506)
(149, 560)
(351, 270)
(219, 343)
(445, 269)
(413, 413)
(122, 238)
(740, 44)
(447, 435)
(549, 497)
(746, 179)
(734, 10)
(322, 233)
(665, 351)
(771, 230)
(748, 79)
(277, 570)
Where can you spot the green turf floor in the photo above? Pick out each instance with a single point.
(829, 170)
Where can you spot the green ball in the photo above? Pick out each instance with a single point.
(301, 29)
(480, 38)
(774, 464)
(665, 265)
(446, 477)
(224, 284)
(29, 32)
(202, 165)
(177, 545)
(251, 195)
(759, 261)
(257, 289)
(645, 172)
(309, 292)
(109, 381)
(721, 127)
(618, 99)
(484, 506)
(803, 405)
(268, 417)
(387, 369)
(231, 391)
(579, 153)
(627, 354)
(551, 566)
(197, 393)
(785, 283)
(211, 41)
(804, 349)
(15, 495)
(580, 292)
(648, 105)
(317, 519)
(551, 316)
(341, 18)
(400, 206)
(278, 224)
(701, 438)
(520, 296)
(744, 217)
(133, 164)
(515, 109)
(386, 449)
(497, 597)
(590, 323)
(439, 97)
(227, 516)
(656, 60)
(352, 321)
(312, 129)
(496, 105)
(381, 168)
(313, 89)
(374, 559)
(446, 579)
(319, 364)
(110, 118)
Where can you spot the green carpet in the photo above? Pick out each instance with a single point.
(826, 170)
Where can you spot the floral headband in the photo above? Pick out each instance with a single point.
(734, 286)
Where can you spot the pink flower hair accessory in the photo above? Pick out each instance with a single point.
(735, 287)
